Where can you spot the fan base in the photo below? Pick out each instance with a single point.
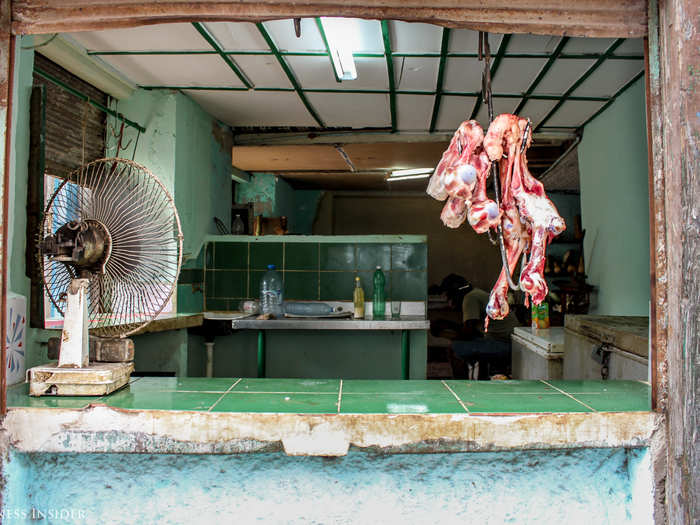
(96, 379)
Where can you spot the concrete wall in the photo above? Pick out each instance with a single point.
(615, 206)
(591, 486)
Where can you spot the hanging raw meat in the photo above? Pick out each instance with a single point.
(527, 217)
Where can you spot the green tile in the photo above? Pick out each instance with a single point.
(272, 385)
(409, 256)
(369, 256)
(301, 256)
(393, 386)
(18, 396)
(616, 402)
(171, 384)
(188, 299)
(399, 404)
(231, 255)
(469, 388)
(156, 400)
(255, 277)
(301, 286)
(367, 282)
(230, 283)
(216, 305)
(209, 283)
(337, 256)
(337, 286)
(276, 403)
(409, 286)
(190, 276)
(600, 386)
(521, 403)
(262, 254)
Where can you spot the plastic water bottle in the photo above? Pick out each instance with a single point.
(271, 292)
(378, 296)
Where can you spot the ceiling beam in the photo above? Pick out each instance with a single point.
(545, 69)
(328, 49)
(580, 81)
(494, 69)
(289, 73)
(444, 46)
(201, 28)
(614, 97)
(240, 176)
(386, 37)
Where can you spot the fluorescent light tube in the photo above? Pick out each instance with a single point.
(414, 171)
(341, 36)
(409, 177)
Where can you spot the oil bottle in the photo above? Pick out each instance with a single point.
(358, 300)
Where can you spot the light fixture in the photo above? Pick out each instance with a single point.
(413, 173)
(409, 177)
(341, 35)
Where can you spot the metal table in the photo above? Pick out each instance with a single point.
(404, 323)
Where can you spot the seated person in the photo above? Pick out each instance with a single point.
(485, 353)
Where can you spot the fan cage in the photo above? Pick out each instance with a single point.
(141, 272)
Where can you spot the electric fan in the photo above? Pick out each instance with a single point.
(110, 250)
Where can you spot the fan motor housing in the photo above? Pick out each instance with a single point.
(83, 244)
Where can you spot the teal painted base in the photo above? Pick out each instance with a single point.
(591, 486)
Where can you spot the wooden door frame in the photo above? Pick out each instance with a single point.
(673, 91)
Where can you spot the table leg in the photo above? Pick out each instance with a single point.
(405, 355)
(261, 353)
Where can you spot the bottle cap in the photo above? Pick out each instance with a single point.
(270, 266)
(379, 267)
(357, 277)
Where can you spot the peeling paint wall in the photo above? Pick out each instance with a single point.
(576, 486)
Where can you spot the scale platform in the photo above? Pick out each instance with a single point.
(96, 379)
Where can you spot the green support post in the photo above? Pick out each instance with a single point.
(405, 355)
(261, 353)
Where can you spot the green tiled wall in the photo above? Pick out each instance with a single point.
(322, 271)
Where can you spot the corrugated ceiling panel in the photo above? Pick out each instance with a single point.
(500, 105)
(562, 76)
(238, 36)
(159, 37)
(463, 74)
(282, 33)
(416, 74)
(467, 41)
(631, 46)
(530, 44)
(609, 77)
(588, 45)
(317, 73)
(407, 37)
(352, 110)
(175, 70)
(263, 71)
(574, 113)
(414, 112)
(535, 110)
(256, 109)
(454, 111)
(516, 74)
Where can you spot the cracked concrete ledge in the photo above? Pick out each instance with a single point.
(99, 428)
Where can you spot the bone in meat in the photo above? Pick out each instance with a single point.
(536, 211)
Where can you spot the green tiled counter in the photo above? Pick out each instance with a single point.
(338, 396)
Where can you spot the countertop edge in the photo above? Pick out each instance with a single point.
(103, 429)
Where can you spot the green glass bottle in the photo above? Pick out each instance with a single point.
(378, 296)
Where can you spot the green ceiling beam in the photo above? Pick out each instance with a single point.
(290, 75)
(390, 71)
(545, 69)
(217, 47)
(570, 56)
(580, 81)
(328, 48)
(83, 96)
(494, 68)
(440, 77)
(614, 97)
